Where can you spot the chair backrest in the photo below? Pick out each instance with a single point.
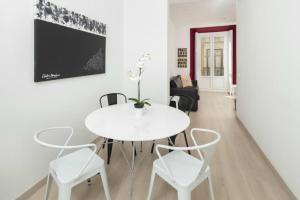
(112, 99)
(205, 151)
(37, 139)
(182, 102)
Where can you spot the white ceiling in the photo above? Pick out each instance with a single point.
(198, 12)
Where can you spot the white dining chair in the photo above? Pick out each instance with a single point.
(71, 169)
(183, 171)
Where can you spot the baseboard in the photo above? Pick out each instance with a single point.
(41, 183)
(282, 182)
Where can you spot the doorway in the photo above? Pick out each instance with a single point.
(212, 61)
(231, 42)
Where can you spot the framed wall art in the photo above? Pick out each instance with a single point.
(66, 44)
(182, 58)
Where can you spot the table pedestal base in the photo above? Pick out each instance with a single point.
(130, 165)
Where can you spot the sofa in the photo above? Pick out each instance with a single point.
(176, 88)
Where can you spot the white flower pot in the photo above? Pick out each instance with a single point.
(139, 112)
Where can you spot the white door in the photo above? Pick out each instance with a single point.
(212, 61)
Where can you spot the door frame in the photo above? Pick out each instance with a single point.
(193, 32)
(210, 81)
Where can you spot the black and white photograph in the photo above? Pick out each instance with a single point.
(61, 50)
(48, 11)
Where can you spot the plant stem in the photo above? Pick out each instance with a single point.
(139, 84)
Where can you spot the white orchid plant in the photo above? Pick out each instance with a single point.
(136, 75)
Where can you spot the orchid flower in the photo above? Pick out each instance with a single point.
(135, 75)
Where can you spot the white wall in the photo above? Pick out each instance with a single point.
(269, 81)
(146, 30)
(172, 51)
(26, 106)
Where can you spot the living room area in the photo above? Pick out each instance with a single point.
(202, 48)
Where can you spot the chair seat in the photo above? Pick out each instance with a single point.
(68, 166)
(184, 167)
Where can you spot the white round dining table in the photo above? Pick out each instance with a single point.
(119, 122)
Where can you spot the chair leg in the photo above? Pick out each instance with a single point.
(141, 146)
(152, 148)
(89, 182)
(173, 140)
(105, 183)
(186, 142)
(211, 191)
(151, 184)
(134, 149)
(235, 104)
(184, 194)
(103, 145)
(109, 149)
(64, 192)
(48, 186)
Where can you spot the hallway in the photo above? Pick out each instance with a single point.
(239, 170)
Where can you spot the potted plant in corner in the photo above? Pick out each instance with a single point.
(139, 104)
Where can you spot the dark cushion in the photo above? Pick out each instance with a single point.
(173, 83)
(195, 83)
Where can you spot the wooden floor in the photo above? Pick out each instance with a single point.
(239, 170)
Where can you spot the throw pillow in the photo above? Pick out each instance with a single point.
(178, 82)
(186, 81)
